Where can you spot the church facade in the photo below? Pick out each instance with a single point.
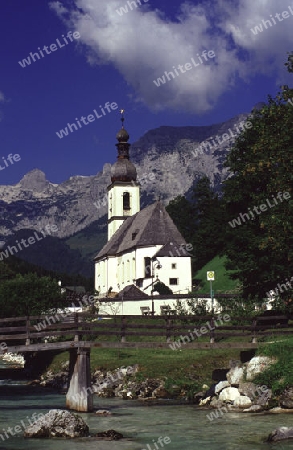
(144, 246)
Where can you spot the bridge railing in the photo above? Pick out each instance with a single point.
(164, 328)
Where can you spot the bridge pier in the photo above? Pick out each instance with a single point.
(79, 396)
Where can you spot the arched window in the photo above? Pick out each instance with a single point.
(126, 201)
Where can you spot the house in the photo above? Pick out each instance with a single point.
(144, 246)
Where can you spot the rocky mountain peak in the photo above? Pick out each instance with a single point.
(168, 160)
(35, 180)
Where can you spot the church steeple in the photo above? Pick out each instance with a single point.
(123, 169)
(122, 137)
(123, 195)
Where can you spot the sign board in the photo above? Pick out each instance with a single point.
(210, 275)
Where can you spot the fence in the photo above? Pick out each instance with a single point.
(164, 328)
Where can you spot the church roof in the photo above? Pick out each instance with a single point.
(150, 226)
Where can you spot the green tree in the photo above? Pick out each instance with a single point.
(200, 221)
(29, 295)
(208, 218)
(260, 247)
(182, 213)
(5, 271)
(162, 289)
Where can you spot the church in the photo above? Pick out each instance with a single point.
(144, 246)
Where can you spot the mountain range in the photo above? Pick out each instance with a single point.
(169, 161)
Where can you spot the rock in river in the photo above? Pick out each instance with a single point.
(58, 423)
(110, 435)
(281, 433)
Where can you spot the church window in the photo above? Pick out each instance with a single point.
(174, 266)
(173, 281)
(126, 200)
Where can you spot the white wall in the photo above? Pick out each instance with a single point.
(115, 204)
(131, 307)
(181, 272)
(119, 272)
(106, 275)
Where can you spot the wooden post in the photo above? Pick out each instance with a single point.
(254, 338)
(76, 337)
(168, 329)
(212, 332)
(123, 328)
(28, 324)
(80, 393)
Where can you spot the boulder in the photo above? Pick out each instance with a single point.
(105, 392)
(234, 363)
(103, 412)
(253, 409)
(211, 391)
(264, 397)
(257, 365)
(216, 403)
(221, 385)
(109, 435)
(161, 392)
(235, 375)
(205, 401)
(242, 402)
(286, 399)
(278, 410)
(248, 389)
(198, 397)
(229, 394)
(281, 433)
(58, 423)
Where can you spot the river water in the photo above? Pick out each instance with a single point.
(186, 426)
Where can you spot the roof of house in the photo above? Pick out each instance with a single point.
(150, 226)
(131, 291)
(173, 249)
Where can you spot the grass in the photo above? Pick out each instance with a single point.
(279, 375)
(222, 284)
(188, 369)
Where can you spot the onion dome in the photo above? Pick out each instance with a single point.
(122, 135)
(123, 170)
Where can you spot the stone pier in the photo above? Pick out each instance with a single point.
(80, 394)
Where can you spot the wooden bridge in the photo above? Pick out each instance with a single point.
(79, 332)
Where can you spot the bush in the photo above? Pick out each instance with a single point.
(241, 310)
(278, 376)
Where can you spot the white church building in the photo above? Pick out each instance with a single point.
(144, 246)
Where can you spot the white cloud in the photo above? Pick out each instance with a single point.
(143, 43)
(58, 8)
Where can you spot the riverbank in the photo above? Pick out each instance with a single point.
(183, 372)
(216, 378)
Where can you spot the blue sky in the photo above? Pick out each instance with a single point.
(116, 60)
